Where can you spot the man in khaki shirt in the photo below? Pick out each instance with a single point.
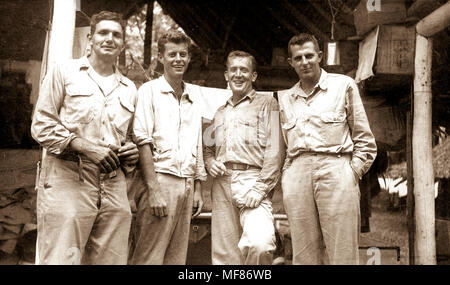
(329, 147)
(244, 158)
(168, 131)
(84, 110)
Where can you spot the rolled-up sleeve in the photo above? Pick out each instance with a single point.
(144, 117)
(274, 153)
(365, 148)
(46, 126)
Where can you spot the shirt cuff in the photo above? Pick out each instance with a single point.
(143, 141)
(261, 188)
(357, 165)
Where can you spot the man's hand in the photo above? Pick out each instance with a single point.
(217, 168)
(128, 153)
(198, 200)
(158, 205)
(252, 199)
(104, 157)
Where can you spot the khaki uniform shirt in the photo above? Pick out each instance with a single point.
(331, 119)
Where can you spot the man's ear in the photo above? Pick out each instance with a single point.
(160, 57)
(320, 55)
(226, 75)
(289, 60)
(254, 76)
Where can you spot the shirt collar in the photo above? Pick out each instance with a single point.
(322, 84)
(166, 88)
(250, 95)
(85, 64)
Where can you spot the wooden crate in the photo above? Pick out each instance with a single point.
(395, 50)
(391, 11)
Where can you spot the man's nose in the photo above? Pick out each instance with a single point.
(177, 56)
(304, 60)
(109, 36)
(238, 72)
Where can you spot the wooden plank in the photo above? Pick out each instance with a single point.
(305, 21)
(435, 22)
(410, 185)
(422, 155)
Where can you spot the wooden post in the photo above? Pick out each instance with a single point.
(422, 154)
(435, 22)
(62, 31)
(410, 183)
(148, 34)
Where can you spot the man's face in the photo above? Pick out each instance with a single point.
(305, 59)
(240, 75)
(175, 59)
(107, 40)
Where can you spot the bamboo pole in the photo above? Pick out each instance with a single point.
(435, 22)
(62, 31)
(422, 154)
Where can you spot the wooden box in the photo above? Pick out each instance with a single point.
(370, 13)
(395, 50)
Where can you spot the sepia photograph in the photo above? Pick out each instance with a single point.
(254, 135)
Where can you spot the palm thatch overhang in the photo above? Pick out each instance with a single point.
(441, 163)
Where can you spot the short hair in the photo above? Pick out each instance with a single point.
(302, 38)
(239, 53)
(176, 37)
(107, 16)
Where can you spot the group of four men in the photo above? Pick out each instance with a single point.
(95, 127)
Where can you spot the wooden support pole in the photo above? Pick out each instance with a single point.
(410, 185)
(148, 34)
(62, 31)
(435, 22)
(422, 155)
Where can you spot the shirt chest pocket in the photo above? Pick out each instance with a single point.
(334, 127)
(79, 105)
(123, 112)
(247, 128)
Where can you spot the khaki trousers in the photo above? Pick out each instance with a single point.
(163, 240)
(321, 199)
(240, 235)
(81, 222)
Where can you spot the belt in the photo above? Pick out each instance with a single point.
(240, 166)
(78, 158)
(339, 154)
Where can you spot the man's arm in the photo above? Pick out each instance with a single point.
(215, 168)
(46, 126)
(273, 158)
(365, 148)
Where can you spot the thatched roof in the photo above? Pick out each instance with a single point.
(441, 163)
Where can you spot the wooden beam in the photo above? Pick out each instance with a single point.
(247, 46)
(434, 22)
(283, 21)
(325, 14)
(305, 21)
(421, 8)
(422, 154)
